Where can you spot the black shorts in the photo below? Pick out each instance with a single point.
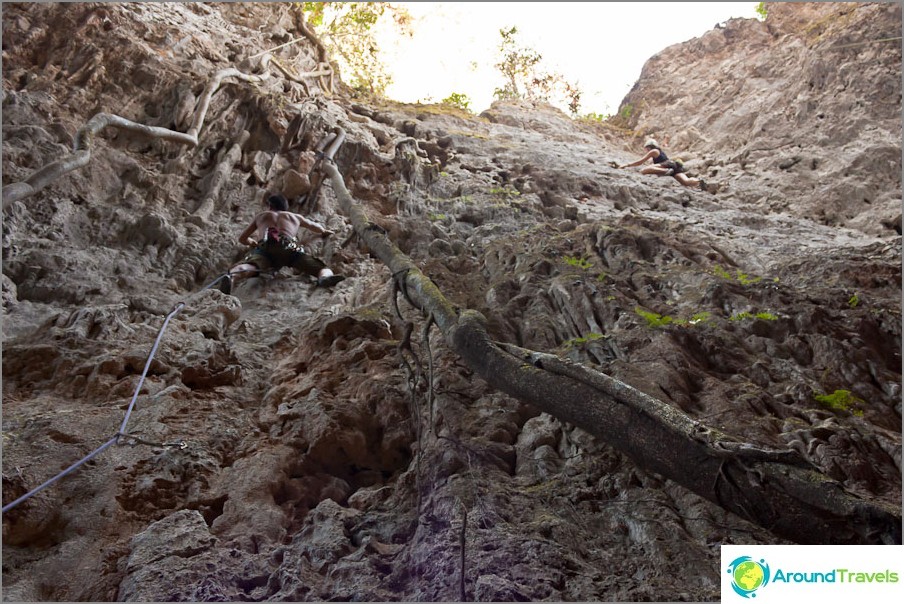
(678, 168)
(275, 255)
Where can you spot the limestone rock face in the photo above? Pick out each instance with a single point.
(800, 112)
(295, 443)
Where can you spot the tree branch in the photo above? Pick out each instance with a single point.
(774, 489)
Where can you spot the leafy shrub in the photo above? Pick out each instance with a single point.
(460, 101)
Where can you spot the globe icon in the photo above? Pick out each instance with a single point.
(748, 575)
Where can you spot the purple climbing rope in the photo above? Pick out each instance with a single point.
(122, 428)
(147, 366)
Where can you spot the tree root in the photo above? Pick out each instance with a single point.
(81, 154)
(220, 174)
(774, 489)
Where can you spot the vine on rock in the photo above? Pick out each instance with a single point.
(84, 138)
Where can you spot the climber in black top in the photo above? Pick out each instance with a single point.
(663, 166)
(276, 246)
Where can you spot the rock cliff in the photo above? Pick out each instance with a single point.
(293, 443)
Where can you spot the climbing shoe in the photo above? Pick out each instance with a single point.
(329, 281)
(225, 284)
(703, 185)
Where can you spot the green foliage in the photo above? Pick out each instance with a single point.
(516, 65)
(761, 10)
(593, 336)
(721, 272)
(840, 400)
(346, 29)
(854, 301)
(654, 319)
(507, 192)
(313, 12)
(765, 316)
(524, 76)
(626, 111)
(739, 276)
(581, 263)
(700, 317)
(437, 216)
(458, 100)
(746, 279)
(595, 117)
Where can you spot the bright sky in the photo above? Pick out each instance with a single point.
(600, 46)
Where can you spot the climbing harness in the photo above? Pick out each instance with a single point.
(325, 150)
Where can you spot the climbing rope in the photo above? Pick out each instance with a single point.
(147, 365)
(325, 151)
(121, 437)
(68, 470)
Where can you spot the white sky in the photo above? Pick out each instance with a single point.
(600, 46)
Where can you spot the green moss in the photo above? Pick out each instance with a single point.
(764, 316)
(840, 400)
(469, 134)
(656, 320)
(746, 279)
(721, 272)
(739, 276)
(854, 301)
(439, 109)
(505, 194)
(583, 340)
(581, 263)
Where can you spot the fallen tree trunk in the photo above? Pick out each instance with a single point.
(777, 490)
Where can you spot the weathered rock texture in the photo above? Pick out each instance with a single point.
(800, 112)
(335, 448)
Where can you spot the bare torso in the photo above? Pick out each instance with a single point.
(286, 223)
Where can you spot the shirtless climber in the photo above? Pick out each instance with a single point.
(276, 246)
(663, 166)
